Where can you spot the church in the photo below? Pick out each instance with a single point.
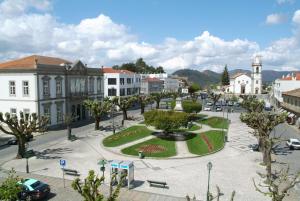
(241, 83)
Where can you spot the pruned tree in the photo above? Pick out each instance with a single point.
(22, 128)
(124, 103)
(279, 184)
(215, 97)
(97, 109)
(89, 189)
(157, 98)
(193, 88)
(212, 197)
(9, 188)
(143, 100)
(68, 119)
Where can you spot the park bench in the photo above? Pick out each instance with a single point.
(159, 183)
(71, 172)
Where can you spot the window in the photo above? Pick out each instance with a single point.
(128, 80)
(256, 81)
(112, 81)
(112, 92)
(129, 91)
(13, 112)
(47, 112)
(122, 81)
(26, 111)
(25, 88)
(239, 81)
(12, 88)
(58, 87)
(59, 113)
(257, 70)
(122, 92)
(46, 89)
(91, 85)
(98, 85)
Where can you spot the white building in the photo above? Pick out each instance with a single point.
(121, 82)
(284, 84)
(48, 86)
(241, 83)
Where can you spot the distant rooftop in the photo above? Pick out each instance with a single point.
(291, 77)
(111, 70)
(31, 62)
(295, 93)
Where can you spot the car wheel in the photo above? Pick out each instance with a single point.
(291, 148)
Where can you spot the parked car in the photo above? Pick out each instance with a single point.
(230, 103)
(14, 141)
(33, 189)
(293, 143)
(207, 109)
(254, 147)
(209, 103)
(218, 109)
(236, 104)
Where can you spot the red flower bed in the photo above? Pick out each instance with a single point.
(207, 142)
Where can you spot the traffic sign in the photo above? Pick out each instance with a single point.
(62, 163)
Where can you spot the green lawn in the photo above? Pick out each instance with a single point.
(201, 116)
(215, 122)
(198, 146)
(128, 135)
(193, 128)
(167, 146)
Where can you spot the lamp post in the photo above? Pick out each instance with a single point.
(102, 167)
(26, 156)
(113, 117)
(209, 167)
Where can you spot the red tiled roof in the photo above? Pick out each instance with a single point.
(287, 78)
(111, 70)
(290, 77)
(154, 79)
(31, 61)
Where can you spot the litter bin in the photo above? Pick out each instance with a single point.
(141, 155)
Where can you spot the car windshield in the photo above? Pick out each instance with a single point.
(35, 184)
(296, 143)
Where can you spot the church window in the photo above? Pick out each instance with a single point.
(257, 70)
(256, 81)
(246, 82)
(239, 81)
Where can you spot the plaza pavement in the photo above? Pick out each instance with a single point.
(233, 168)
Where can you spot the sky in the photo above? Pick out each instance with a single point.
(197, 34)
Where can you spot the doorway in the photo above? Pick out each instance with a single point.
(243, 89)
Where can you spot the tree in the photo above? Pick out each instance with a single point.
(143, 100)
(157, 98)
(279, 184)
(193, 89)
(225, 77)
(159, 69)
(69, 118)
(97, 109)
(191, 106)
(22, 128)
(89, 188)
(263, 124)
(124, 103)
(9, 189)
(215, 97)
(166, 120)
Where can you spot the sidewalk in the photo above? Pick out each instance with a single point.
(59, 193)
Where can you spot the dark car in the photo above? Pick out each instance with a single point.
(33, 189)
(254, 147)
(14, 141)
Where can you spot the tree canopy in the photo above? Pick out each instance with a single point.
(225, 77)
(140, 66)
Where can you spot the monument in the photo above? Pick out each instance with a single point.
(178, 105)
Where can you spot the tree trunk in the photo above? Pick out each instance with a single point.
(97, 123)
(142, 108)
(157, 104)
(21, 147)
(260, 144)
(267, 158)
(124, 115)
(69, 131)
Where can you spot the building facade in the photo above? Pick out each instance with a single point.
(284, 84)
(121, 83)
(291, 104)
(151, 85)
(48, 86)
(241, 83)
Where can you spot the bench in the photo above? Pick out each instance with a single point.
(159, 183)
(71, 172)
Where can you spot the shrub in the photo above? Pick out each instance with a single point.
(191, 106)
(173, 104)
(166, 120)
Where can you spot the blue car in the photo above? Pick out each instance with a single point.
(33, 189)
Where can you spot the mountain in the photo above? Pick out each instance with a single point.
(208, 77)
(204, 78)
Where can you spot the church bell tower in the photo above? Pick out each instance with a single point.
(256, 75)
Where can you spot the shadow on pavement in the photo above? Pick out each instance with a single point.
(137, 183)
(50, 196)
(45, 153)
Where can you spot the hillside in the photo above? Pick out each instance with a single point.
(209, 77)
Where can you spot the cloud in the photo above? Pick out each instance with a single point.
(286, 68)
(28, 27)
(275, 19)
(285, 1)
(296, 17)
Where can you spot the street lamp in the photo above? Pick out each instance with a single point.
(209, 167)
(102, 167)
(113, 117)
